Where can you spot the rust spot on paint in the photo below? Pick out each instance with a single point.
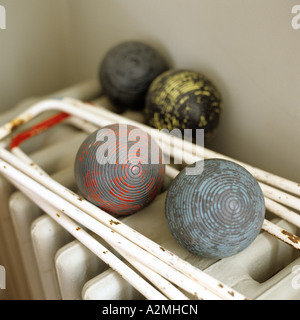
(78, 228)
(58, 215)
(14, 124)
(114, 222)
(161, 248)
(231, 293)
(291, 236)
(220, 285)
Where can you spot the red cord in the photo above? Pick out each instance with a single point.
(35, 130)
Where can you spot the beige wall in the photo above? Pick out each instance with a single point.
(31, 52)
(247, 47)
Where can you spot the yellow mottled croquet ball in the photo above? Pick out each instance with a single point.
(183, 99)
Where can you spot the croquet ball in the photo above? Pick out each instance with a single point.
(126, 72)
(215, 208)
(183, 99)
(119, 169)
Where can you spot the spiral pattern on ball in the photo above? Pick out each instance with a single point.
(119, 169)
(218, 213)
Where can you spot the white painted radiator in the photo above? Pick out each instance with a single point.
(43, 261)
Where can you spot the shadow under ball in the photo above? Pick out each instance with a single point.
(127, 71)
(119, 169)
(216, 212)
(184, 99)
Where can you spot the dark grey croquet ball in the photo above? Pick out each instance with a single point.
(127, 71)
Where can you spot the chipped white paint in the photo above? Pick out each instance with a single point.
(56, 197)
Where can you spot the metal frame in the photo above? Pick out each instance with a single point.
(161, 267)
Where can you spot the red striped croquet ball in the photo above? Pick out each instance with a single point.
(119, 168)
